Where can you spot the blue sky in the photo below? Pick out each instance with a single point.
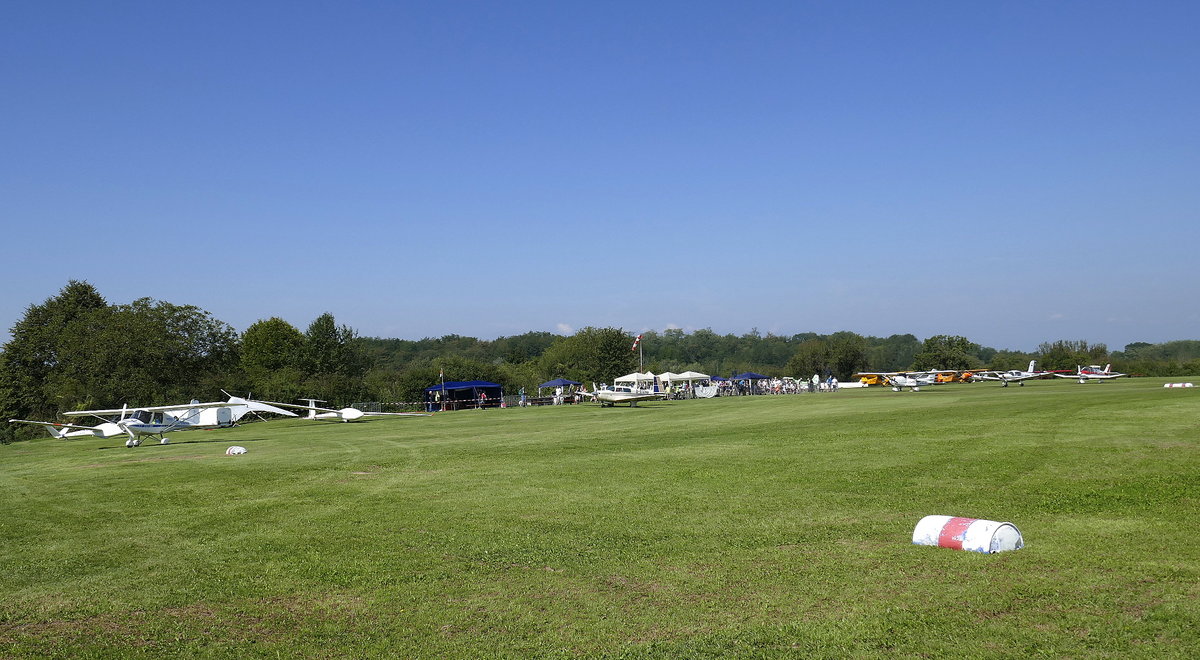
(1013, 172)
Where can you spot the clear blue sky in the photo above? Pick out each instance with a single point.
(1013, 172)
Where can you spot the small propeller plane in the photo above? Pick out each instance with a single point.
(898, 380)
(157, 420)
(610, 395)
(1093, 372)
(1012, 376)
(342, 414)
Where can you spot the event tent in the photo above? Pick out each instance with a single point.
(454, 395)
(638, 381)
(558, 382)
(691, 376)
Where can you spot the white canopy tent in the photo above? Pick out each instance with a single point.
(636, 380)
(668, 377)
(691, 376)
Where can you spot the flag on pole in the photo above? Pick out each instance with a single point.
(636, 342)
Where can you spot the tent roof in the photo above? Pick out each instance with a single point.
(635, 376)
(461, 385)
(558, 382)
(692, 375)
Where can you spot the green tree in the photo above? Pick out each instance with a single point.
(848, 354)
(272, 344)
(335, 361)
(1066, 354)
(591, 354)
(895, 353)
(35, 351)
(947, 352)
(813, 356)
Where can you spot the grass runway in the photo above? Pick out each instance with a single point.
(767, 526)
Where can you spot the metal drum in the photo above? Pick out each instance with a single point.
(970, 534)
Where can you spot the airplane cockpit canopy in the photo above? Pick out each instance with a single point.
(147, 417)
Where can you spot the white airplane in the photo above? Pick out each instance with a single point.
(610, 395)
(343, 414)
(1011, 376)
(914, 380)
(157, 420)
(1093, 372)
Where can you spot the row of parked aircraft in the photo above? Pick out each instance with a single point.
(914, 380)
(152, 421)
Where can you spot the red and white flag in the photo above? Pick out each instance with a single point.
(636, 342)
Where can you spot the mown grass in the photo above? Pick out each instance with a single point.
(763, 526)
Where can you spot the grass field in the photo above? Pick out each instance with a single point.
(754, 526)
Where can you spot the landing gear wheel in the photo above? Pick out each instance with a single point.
(129, 443)
(1022, 383)
(1004, 384)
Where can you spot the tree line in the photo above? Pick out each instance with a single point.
(75, 350)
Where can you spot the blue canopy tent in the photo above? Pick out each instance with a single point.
(558, 382)
(752, 378)
(749, 375)
(456, 395)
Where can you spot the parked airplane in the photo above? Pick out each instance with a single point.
(611, 395)
(913, 381)
(899, 380)
(343, 414)
(1012, 376)
(1093, 372)
(157, 420)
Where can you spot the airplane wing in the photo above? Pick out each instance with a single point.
(298, 406)
(987, 375)
(77, 427)
(118, 411)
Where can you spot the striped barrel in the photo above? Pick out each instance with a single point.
(970, 534)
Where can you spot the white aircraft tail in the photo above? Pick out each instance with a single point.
(53, 429)
(1032, 365)
(1108, 368)
(312, 407)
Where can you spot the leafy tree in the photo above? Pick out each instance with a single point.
(272, 344)
(814, 356)
(335, 361)
(35, 351)
(947, 352)
(591, 354)
(848, 354)
(895, 353)
(1065, 354)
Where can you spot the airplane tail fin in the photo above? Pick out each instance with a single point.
(312, 407)
(1032, 365)
(1108, 368)
(56, 430)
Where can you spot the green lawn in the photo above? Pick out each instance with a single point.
(754, 526)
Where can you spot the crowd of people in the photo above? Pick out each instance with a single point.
(786, 385)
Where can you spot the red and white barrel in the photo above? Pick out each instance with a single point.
(970, 534)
